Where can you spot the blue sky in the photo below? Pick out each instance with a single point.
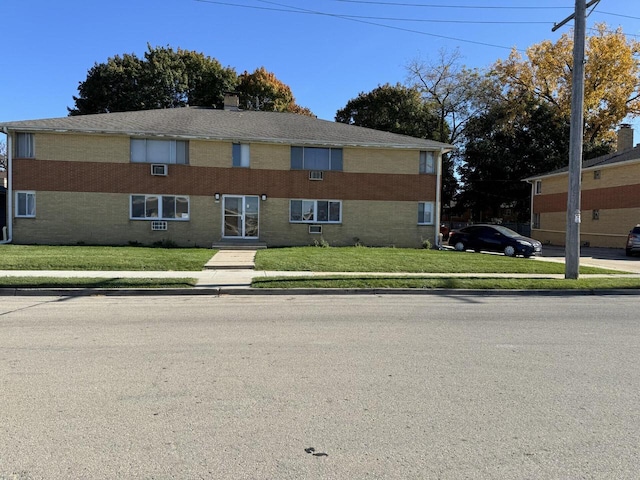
(327, 51)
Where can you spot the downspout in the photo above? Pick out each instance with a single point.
(437, 208)
(7, 232)
(533, 186)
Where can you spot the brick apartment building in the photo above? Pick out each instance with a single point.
(610, 198)
(197, 176)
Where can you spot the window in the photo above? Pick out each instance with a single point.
(536, 220)
(314, 158)
(159, 151)
(26, 204)
(315, 211)
(596, 174)
(159, 207)
(25, 145)
(427, 164)
(595, 215)
(240, 155)
(425, 213)
(538, 187)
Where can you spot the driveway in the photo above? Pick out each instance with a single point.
(612, 258)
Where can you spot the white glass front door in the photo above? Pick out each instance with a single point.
(241, 214)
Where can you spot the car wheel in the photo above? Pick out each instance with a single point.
(460, 247)
(629, 254)
(509, 251)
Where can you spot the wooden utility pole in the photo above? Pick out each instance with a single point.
(572, 241)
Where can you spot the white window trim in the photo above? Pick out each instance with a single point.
(315, 211)
(17, 203)
(432, 210)
(159, 217)
(537, 189)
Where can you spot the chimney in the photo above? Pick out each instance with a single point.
(231, 102)
(625, 137)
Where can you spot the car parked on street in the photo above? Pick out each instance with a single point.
(494, 238)
(633, 241)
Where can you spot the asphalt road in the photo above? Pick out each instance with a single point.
(357, 387)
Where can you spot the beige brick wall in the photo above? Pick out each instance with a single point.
(609, 231)
(211, 153)
(370, 223)
(103, 219)
(557, 184)
(377, 160)
(82, 148)
(614, 176)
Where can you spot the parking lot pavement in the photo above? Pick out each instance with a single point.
(612, 258)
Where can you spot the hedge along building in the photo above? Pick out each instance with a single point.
(196, 176)
(610, 198)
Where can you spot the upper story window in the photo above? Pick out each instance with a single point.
(538, 188)
(316, 158)
(427, 162)
(145, 150)
(596, 174)
(25, 145)
(240, 155)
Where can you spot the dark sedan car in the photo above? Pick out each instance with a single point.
(633, 241)
(494, 238)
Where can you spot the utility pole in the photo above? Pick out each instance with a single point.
(572, 241)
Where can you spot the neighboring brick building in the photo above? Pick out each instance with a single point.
(610, 198)
(197, 176)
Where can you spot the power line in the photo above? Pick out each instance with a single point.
(290, 9)
(425, 5)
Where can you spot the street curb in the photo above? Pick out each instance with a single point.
(218, 291)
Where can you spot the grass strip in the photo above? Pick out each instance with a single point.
(402, 260)
(449, 282)
(43, 257)
(75, 282)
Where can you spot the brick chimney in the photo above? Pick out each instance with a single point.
(231, 102)
(625, 137)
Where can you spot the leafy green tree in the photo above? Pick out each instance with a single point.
(165, 78)
(392, 108)
(511, 140)
(261, 90)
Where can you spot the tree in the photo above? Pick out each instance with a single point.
(392, 108)
(511, 140)
(163, 79)
(457, 93)
(612, 79)
(261, 90)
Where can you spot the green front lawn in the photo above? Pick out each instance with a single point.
(363, 259)
(40, 257)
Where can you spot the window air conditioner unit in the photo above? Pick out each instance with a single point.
(158, 225)
(159, 169)
(315, 174)
(315, 228)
